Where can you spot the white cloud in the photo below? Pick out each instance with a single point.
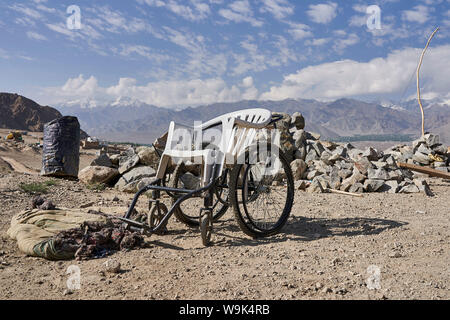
(340, 44)
(27, 11)
(377, 77)
(3, 54)
(143, 51)
(161, 93)
(419, 14)
(36, 36)
(280, 9)
(323, 12)
(240, 11)
(299, 31)
(195, 10)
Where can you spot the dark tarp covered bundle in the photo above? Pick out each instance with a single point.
(61, 153)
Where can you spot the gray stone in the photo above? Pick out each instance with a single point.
(130, 181)
(139, 173)
(389, 187)
(421, 158)
(112, 266)
(311, 156)
(325, 157)
(423, 187)
(315, 187)
(311, 174)
(431, 139)
(128, 161)
(96, 175)
(363, 165)
(345, 173)
(357, 188)
(392, 164)
(380, 164)
(300, 153)
(354, 154)
(373, 185)
(312, 136)
(298, 120)
(424, 149)
(409, 188)
(190, 181)
(299, 137)
(371, 154)
(301, 184)
(148, 156)
(114, 158)
(377, 174)
(443, 169)
(298, 168)
(440, 149)
(396, 175)
(102, 161)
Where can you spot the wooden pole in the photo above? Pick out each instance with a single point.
(425, 170)
(418, 84)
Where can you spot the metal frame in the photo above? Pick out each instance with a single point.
(205, 192)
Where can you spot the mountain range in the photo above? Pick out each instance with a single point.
(128, 120)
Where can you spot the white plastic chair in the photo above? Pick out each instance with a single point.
(238, 130)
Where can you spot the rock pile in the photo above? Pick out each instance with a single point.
(317, 165)
(128, 171)
(320, 165)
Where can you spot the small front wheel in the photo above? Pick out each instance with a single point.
(206, 228)
(155, 217)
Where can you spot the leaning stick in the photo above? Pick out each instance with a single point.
(418, 87)
(426, 170)
(344, 193)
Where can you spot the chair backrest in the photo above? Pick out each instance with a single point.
(241, 136)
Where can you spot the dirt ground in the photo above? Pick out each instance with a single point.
(331, 248)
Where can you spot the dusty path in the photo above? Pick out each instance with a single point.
(331, 247)
(18, 167)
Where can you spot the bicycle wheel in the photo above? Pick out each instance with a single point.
(262, 200)
(188, 211)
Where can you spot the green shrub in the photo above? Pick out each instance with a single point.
(34, 187)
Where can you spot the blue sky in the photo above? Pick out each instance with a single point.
(177, 53)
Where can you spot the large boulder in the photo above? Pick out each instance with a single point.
(148, 156)
(97, 174)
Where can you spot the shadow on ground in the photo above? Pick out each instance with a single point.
(310, 229)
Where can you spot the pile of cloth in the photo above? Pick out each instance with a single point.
(64, 234)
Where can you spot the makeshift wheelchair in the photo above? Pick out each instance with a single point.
(221, 164)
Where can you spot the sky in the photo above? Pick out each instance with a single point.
(178, 53)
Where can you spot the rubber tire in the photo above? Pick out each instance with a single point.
(179, 171)
(247, 228)
(205, 224)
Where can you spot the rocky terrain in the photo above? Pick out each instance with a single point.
(328, 250)
(384, 245)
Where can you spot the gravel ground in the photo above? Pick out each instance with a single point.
(331, 248)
